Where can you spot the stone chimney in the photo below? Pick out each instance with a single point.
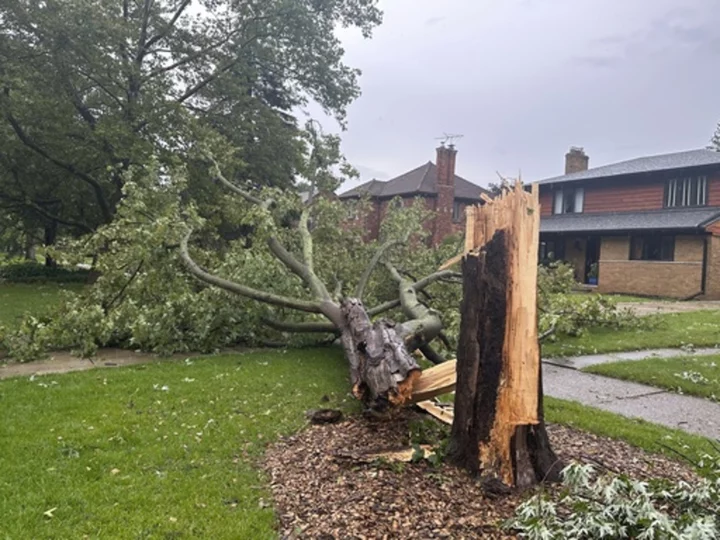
(445, 193)
(576, 160)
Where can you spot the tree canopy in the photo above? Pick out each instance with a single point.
(90, 89)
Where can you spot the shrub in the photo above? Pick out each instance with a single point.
(32, 272)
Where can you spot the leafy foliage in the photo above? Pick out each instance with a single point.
(616, 506)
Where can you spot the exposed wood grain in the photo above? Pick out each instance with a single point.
(434, 382)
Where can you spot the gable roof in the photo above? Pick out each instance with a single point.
(666, 219)
(649, 164)
(419, 181)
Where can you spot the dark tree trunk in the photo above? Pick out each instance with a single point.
(382, 371)
(50, 238)
(498, 428)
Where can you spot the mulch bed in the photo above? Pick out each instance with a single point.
(321, 491)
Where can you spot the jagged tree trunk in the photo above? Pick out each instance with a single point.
(498, 428)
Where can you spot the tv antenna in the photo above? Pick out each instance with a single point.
(449, 138)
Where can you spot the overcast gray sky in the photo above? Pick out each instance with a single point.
(523, 80)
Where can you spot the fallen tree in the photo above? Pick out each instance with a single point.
(383, 369)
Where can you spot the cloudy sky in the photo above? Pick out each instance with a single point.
(523, 80)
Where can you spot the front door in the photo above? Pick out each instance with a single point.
(592, 260)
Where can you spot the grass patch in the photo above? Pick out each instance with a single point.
(163, 450)
(650, 437)
(625, 298)
(694, 375)
(698, 328)
(16, 299)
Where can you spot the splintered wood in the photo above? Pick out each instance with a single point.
(434, 381)
(498, 427)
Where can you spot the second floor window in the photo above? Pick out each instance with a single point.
(568, 201)
(690, 191)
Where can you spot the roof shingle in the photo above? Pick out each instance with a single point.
(419, 181)
(663, 162)
(667, 219)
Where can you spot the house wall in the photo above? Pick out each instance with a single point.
(373, 218)
(626, 195)
(680, 278)
(623, 198)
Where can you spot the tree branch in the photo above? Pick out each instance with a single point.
(303, 271)
(94, 184)
(365, 278)
(243, 290)
(169, 27)
(307, 240)
(301, 327)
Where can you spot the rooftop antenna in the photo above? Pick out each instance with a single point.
(449, 138)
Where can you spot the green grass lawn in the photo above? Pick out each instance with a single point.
(651, 437)
(697, 376)
(699, 328)
(171, 449)
(19, 298)
(625, 298)
(164, 450)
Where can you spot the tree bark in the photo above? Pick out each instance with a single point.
(498, 428)
(49, 240)
(382, 371)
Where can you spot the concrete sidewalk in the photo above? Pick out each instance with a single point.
(633, 400)
(580, 362)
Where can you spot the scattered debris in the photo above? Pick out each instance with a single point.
(324, 416)
(443, 412)
(320, 495)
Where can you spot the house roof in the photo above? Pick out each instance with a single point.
(668, 219)
(649, 164)
(419, 181)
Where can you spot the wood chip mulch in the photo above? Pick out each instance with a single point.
(321, 491)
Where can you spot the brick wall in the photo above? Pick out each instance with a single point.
(443, 222)
(712, 283)
(680, 278)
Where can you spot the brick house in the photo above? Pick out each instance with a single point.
(647, 226)
(445, 194)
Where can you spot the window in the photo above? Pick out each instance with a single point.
(457, 211)
(689, 191)
(551, 251)
(569, 201)
(652, 248)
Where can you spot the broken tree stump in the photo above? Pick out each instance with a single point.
(498, 428)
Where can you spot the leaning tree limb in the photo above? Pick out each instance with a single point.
(382, 370)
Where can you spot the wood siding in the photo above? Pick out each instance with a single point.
(624, 198)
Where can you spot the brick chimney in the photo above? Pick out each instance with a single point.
(576, 160)
(445, 193)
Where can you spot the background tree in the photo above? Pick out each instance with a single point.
(88, 90)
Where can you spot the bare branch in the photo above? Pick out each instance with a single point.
(432, 278)
(243, 290)
(307, 240)
(301, 327)
(432, 355)
(303, 271)
(94, 184)
(169, 27)
(365, 278)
